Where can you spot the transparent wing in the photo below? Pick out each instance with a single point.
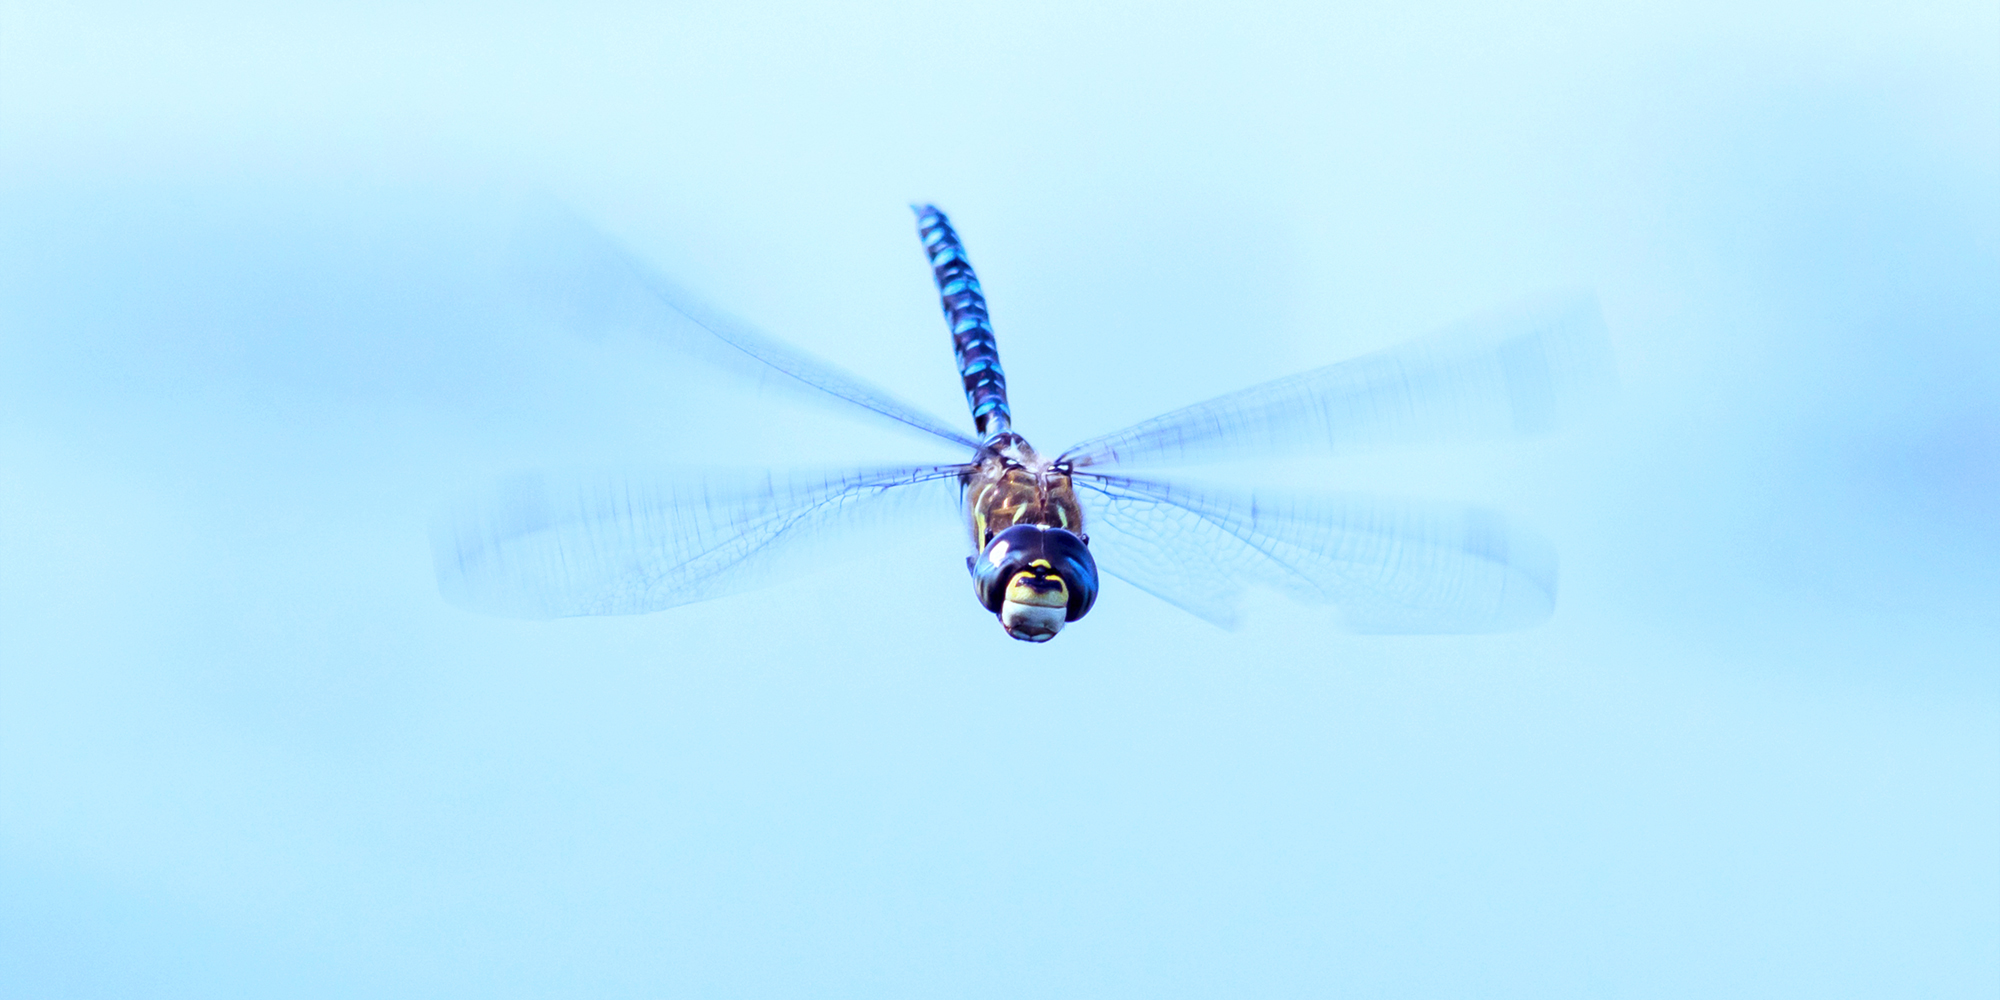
(1387, 565)
(1517, 372)
(631, 544)
(594, 282)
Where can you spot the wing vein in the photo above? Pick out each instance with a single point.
(627, 544)
(1387, 565)
(1517, 372)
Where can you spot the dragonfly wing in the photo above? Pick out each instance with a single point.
(1387, 565)
(595, 282)
(631, 544)
(1510, 373)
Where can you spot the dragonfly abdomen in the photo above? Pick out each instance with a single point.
(971, 330)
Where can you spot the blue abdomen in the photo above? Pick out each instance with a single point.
(971, 330)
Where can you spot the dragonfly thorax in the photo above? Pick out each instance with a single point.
(1010, 483)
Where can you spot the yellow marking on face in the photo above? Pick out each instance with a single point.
(1042, 590)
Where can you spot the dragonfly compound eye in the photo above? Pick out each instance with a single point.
(1036, 579)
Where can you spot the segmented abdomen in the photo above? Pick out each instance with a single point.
(971, 330)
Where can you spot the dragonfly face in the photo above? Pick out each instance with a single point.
(1033, 567)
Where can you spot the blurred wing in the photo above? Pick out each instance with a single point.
(1389, 566)
(627, 545)
(1512, 373)
(594, 282)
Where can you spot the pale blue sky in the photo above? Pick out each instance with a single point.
(255, 327)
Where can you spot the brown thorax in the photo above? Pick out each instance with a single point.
(1010, 484)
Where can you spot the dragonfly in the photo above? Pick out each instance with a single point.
(1040, 527)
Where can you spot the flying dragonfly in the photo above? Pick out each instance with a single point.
(1039, 527)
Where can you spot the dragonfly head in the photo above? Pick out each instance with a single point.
(1036, 579)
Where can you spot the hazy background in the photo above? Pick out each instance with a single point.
(255, 327)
